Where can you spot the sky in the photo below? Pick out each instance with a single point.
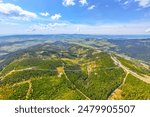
(117, 17)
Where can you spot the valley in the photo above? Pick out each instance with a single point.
(74, 69)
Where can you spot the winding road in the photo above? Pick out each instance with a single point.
(147, 80)
(127, 71)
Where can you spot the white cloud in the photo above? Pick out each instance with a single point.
(143, 3)
(56, 16)
(13, 11)
(78, 29)
(91, 7)
(70, 28)
(126, 2)
(46, 27)
(44, 14)
(68, 2)
(147, 30)
(1, 1)
(83, 2)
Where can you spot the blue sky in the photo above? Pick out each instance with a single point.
(74, 17)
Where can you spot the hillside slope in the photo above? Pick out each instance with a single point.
(66, 71)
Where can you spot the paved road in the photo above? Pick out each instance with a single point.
(147, 80)
(128, 71)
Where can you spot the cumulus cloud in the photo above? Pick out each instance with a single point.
(68, 2)
(143, 3)
(126, 2)
(83, 2)
(56, 16)
(46, 27)
(44, 14)
(91, 7)
(70, 28)
(13, 11)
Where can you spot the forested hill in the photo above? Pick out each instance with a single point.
(135, 48)
(72, 71)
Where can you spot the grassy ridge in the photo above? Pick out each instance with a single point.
(25, 75)
(135, 89)
(39, 63)
(101, 81)
(135, 66)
